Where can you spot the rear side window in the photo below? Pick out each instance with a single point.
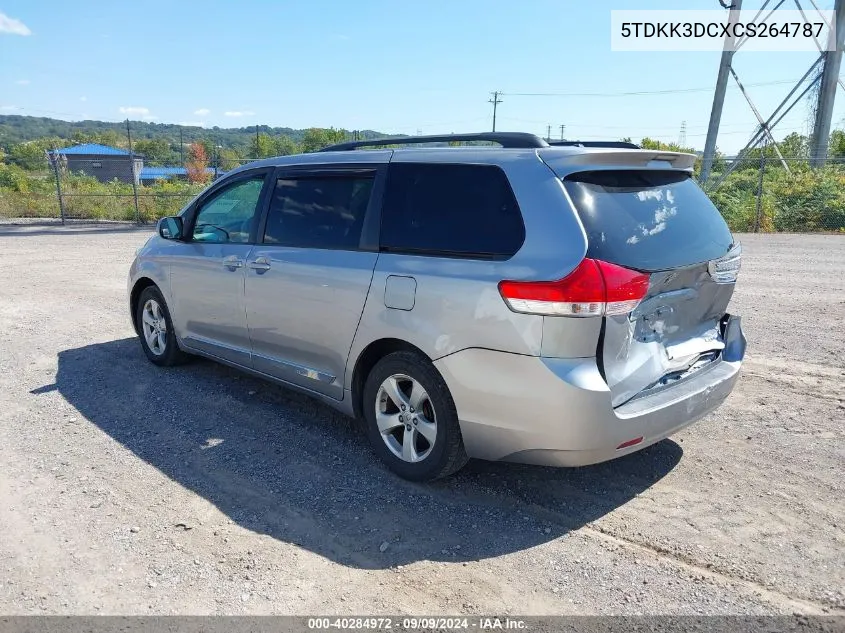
(648, 220)
(450, 210)
(318, 211)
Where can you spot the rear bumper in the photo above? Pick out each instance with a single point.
(558, 412)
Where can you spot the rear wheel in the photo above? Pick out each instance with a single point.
(157, 337)
(411, 418)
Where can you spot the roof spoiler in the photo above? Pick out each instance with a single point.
(607, 144)
(564, 163)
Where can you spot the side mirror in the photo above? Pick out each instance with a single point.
(170, 228)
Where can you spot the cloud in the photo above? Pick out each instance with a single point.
(23, 82)
(134, 110)
(237, 113)
(13, 26)
(8, 108)
(137, 111)
(83, 98)
(202, 112)
(192, 123)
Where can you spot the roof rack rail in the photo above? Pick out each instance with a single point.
(505, 139)
(613, 144)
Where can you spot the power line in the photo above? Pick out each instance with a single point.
(633, 93)
(600, 126)
(670, 136)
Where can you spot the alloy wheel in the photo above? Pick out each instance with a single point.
(405, 417)
(154, 327)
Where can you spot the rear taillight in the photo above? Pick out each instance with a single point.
(594, 288)
(725, 269)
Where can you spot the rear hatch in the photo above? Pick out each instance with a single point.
(659, 222)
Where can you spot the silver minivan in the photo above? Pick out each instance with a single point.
(558, 305)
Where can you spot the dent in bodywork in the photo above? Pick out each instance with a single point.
(677, 323)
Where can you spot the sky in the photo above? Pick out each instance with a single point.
(406, 66)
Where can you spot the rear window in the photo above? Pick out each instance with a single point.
(648, 220)
(450, 210)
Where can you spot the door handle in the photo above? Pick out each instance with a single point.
(232, 262)
(260, 265)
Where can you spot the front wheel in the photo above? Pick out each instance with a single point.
(411, 418)
(156, 329)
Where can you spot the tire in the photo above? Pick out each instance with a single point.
(165, 350)
(406, 447)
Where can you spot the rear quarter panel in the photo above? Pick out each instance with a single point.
(457, 303)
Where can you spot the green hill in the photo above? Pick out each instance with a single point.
(16, 129)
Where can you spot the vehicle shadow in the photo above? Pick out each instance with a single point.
(285, 465)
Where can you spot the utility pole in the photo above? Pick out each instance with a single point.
(682, 137)
(758, 216)
(134, 175)
(827, 88)
(562, 130)
(54, 158)
(548, 133)
(719, 95)
(495, 101)
(181, 148)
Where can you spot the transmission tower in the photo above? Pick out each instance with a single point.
(830, 61)
(682, 137)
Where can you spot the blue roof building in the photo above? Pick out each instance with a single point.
(107, 163)
(150, 174)
(88, 149)
(101, 161)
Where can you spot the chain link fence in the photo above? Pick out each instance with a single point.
(760, 193)
(771, 193)
(99, 188)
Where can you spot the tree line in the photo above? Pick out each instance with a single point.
(20, 128)
(760, 194)
(163, 144)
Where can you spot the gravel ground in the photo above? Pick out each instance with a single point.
(129, 489)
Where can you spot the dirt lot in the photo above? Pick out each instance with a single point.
(130, 489)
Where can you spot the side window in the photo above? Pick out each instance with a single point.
(453, 210)
(228, 216)
(319, 211)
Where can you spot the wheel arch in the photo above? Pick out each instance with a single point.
(140, 285)
(368, 358)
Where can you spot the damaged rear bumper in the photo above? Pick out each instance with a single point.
(558, 411)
